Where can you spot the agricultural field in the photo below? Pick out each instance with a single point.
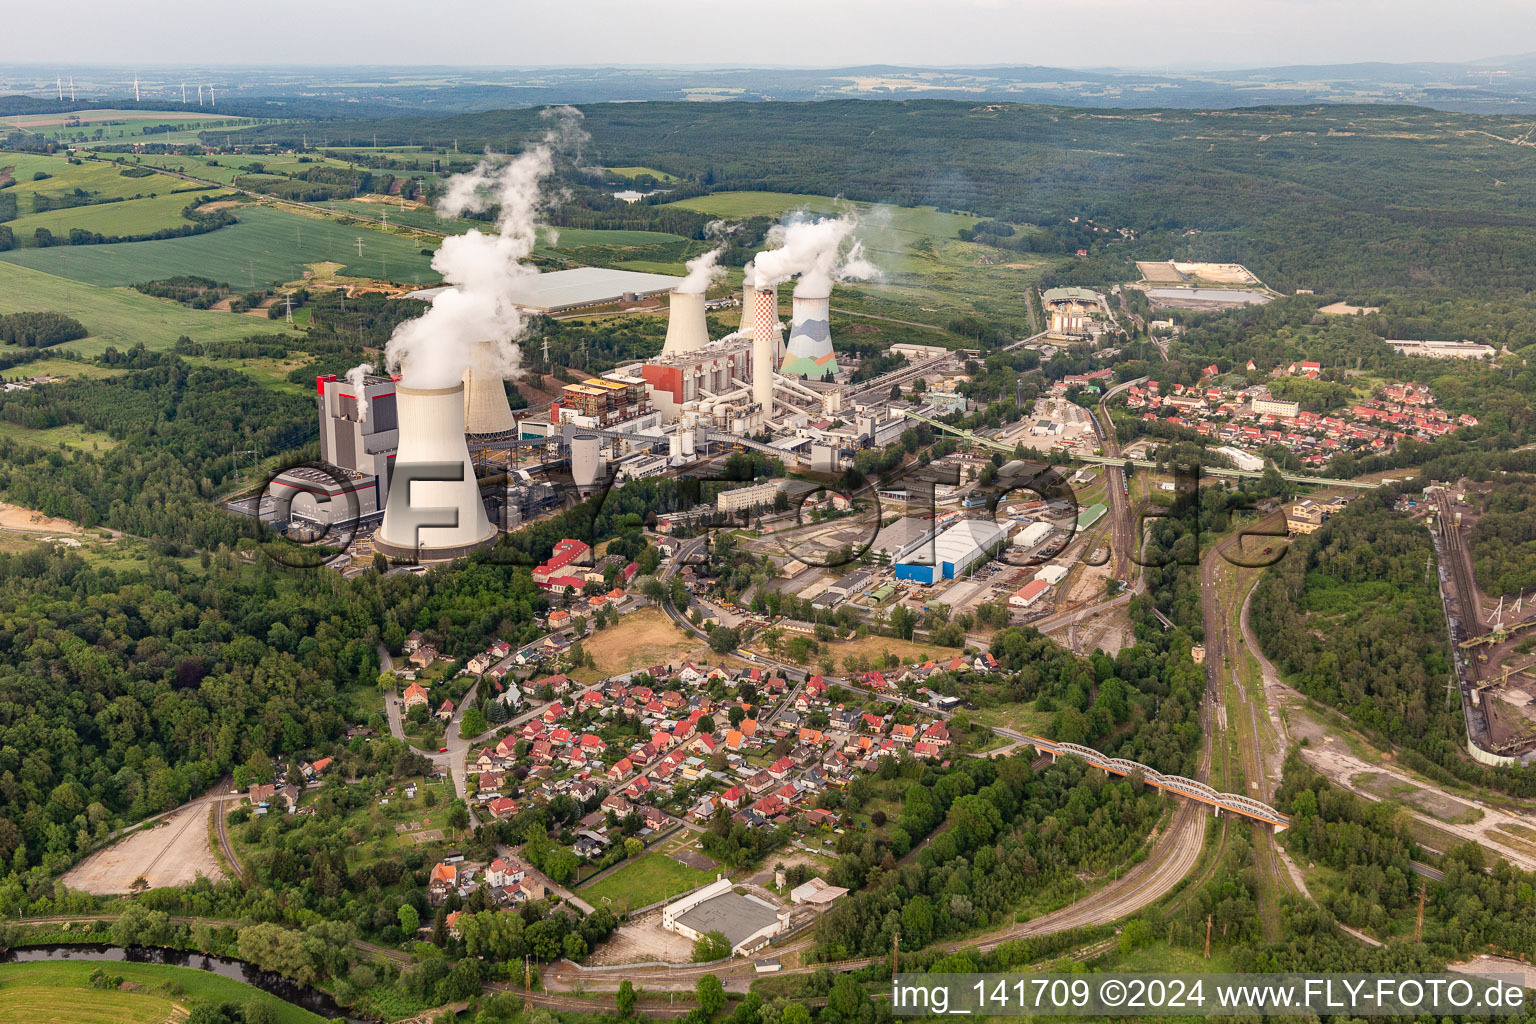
(129, 217)
(226, 168)
(69, 435)
(101, 179)
(650, 878)
(116, 317)
(113, 126)
(635, 172)
(266, 246)
(60, 991)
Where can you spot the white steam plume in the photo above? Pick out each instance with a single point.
(721, 229)
(483, 270)
(813, 249)
(356, 377)
(703, 271)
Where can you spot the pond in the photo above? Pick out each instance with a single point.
(286, 989)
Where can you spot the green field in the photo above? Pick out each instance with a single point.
(226, 168)
(59, 992)
(267, 246)
(59, 368)
(130, 217)
(102, 179)
(117, 317)
(635, 172)
(94, 126)
(70, 435)
(649, 879)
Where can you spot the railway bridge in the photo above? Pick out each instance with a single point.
(1190, 789)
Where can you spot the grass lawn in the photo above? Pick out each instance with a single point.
(635, 172)
(268, 245)
(115, 316)
(648, 879)
(60, 991)
(641, 639)
(61, 368)
(71, 435)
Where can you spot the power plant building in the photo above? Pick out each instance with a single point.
(359, 431)
(678, 378)
(603, 402)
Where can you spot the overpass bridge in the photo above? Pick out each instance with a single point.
(1178, 785)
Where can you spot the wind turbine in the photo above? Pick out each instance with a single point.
(212, 102)
(183, 93)
(71, 88)
(60, 83)
(199, 95)
(135, 88)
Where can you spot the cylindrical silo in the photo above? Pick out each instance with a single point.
(586, 459)
(686, 326)
(809, 350)
(428, 517)
(765, 330)
(485, 396)
(675, 446)
(689, 447)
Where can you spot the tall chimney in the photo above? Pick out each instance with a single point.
(485, 396)
(432, 431)
(809, 350)
(686, 327)
(765, 332)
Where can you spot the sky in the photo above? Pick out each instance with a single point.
(813, 33)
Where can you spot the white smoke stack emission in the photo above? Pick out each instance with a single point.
(813, 249)
(357, 378)
(703, 271)
(482, 270)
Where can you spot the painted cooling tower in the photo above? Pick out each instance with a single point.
(765, 330)
(586, 459)
(485, 396)
(686, 327)
(809, 351)
(432, 441)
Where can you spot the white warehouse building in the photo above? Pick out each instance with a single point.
(951, 554)
(1032, 534)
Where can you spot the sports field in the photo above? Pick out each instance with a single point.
(60, 992)
(650, 878)
(266, 246)
(117, 317)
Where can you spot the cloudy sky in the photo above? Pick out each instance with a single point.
(1070, 33)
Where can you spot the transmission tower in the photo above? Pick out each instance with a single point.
(288, 309)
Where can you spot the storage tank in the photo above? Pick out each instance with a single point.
(432, 432)
(686, 327)
(485, 396)
(586, 459)
(809, 352)
(690, 447)
(675, 446)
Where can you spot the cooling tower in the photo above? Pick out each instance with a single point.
(485, 396)
(426, 518)
(765, 331)
(586, 459)
(748, 294)
(809, 351)
(686, 327)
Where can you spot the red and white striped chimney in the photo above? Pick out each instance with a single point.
(765, 342)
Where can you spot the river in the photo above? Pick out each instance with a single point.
(286, 989)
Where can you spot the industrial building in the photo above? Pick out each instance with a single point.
(1032, 534)
(359, 430)
(949, 554)
(564, 290)
(1027, 595)
(746, 921)
(1090, 515)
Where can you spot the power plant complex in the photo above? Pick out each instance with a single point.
(412, 464)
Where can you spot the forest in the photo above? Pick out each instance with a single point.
(1503, 539)
(1333, 198)
(39, 330)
